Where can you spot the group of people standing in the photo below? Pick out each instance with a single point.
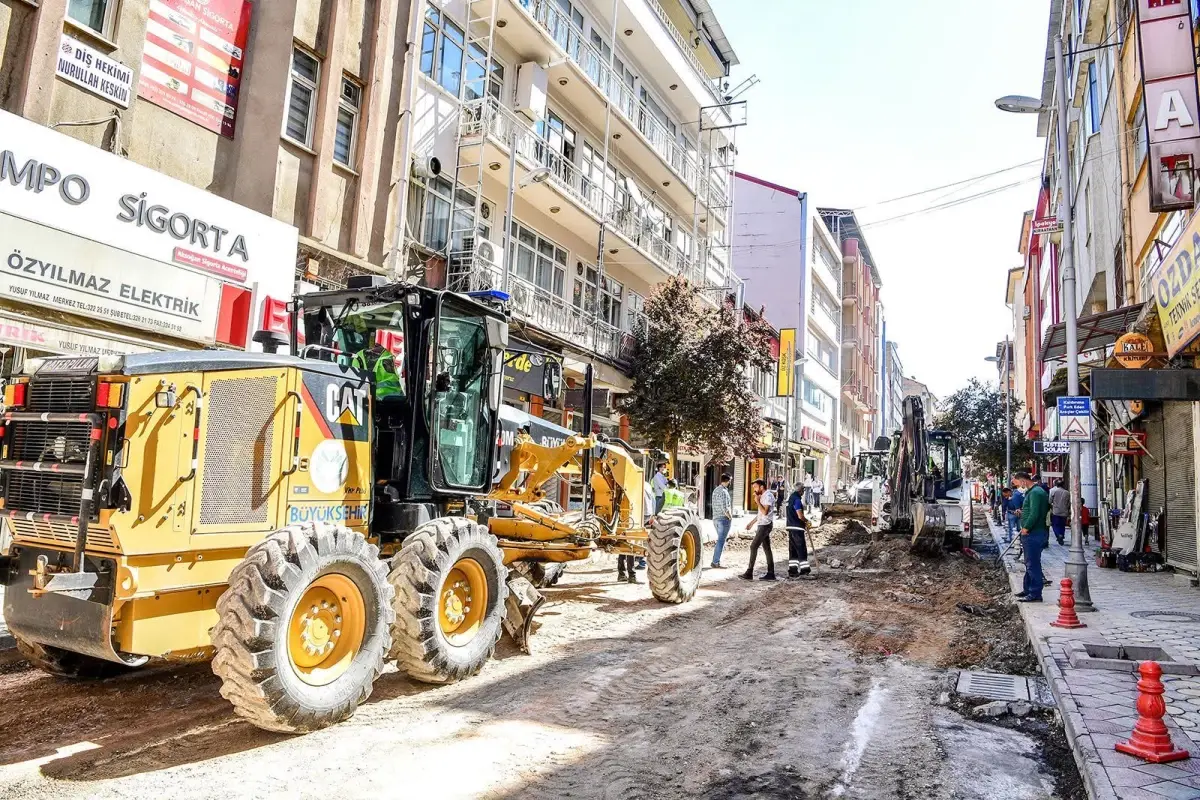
(767, 502)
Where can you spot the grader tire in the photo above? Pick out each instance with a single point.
(65, 664)
(303, 628)
(674, 554)
(451, 587)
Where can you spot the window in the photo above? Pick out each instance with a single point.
(598, 295)
(461, 424)
(565, 23)
(435, 223)
(94, 14)
(345, 134)
(538, 261)
(1140, 146)
(823, 300)
(816, 398)
(823, 352)
(1091, 111)
(302, 95)
(475, 68)
(557, 148)
(442, 45)
(634, 310)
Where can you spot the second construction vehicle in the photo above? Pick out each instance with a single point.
(925, 487)
(301, 519)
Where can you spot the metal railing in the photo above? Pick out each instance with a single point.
(688, 54)
(489, 117)
(594, 64)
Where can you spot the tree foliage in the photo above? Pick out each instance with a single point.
(975, 415)
(689, 374)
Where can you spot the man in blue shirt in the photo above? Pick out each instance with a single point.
(1013, 498)
(797, 524)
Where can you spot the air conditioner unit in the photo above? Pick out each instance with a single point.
(531, 90)
(488, 254)
(427, 167)
(485, 211)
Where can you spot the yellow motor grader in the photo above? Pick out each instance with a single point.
(301, 518)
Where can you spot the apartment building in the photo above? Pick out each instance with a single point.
(198, 95)
(789, 262)
(574, 154)
(893, 390)
(861, 336)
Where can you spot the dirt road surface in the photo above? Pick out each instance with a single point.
(797, 689)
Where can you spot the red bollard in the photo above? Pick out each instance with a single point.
(1150, 740)
(1067, 618)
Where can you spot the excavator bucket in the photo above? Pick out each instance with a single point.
(522, 604)
(929, 529)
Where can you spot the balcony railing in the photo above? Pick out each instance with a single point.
(594, 64)
(488, 117)
(540, 307)
(685, 48)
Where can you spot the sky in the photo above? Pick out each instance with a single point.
(862, 101)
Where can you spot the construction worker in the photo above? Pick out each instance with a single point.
(380, 363)
(797, 525)
(672, 497)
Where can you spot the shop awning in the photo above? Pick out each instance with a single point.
(1093, 333)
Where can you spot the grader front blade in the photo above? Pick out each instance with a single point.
(522, 604)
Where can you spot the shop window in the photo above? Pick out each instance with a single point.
(98, 15)
(442, 51)
(346, 132)
(302, 97)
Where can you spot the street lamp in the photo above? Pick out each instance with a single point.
(1007, 411)
(1076, 564)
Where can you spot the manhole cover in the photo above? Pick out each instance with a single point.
(1166, 616)
(993, 686)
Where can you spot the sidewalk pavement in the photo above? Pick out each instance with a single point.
(1098, 705)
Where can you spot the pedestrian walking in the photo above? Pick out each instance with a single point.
(808, 484)
(797, 524)
(1008, 498)
(1060, 510)
(659, 482)
(1085, 523)
(1033, 536)
(762, 537)
(722, 508)
(780, 497)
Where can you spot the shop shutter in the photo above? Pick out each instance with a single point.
(739, 483)
(1155, 471)
(1171, 479)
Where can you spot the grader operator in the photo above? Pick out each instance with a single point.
(303, 518)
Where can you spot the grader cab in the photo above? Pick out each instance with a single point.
(299, 519)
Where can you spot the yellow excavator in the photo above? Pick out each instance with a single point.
(302, 518)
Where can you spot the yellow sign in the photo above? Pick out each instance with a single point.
(785, 371)
(1133, 350)
(1176, 286)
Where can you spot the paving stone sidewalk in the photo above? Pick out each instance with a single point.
(1098, 706)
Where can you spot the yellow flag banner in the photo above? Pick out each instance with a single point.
(785, 371)
(1176, 286)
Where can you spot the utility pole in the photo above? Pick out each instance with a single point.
(1007, 413)
(1076, 564)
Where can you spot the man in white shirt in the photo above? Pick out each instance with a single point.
(764, 523)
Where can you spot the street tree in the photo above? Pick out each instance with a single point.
(690, 383)
(975, 415)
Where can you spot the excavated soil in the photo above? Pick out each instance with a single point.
(813, 688)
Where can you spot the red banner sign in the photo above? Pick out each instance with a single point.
(193, 58)
(1123, 443)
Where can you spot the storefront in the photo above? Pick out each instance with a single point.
(105, 256)
(816, 446)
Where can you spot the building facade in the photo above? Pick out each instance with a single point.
(861, 339)
(790, 266)
(893, 390)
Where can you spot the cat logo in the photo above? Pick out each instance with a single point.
(345, 405)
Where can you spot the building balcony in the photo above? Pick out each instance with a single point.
(580, 72)
(542, 308)
(638, 234)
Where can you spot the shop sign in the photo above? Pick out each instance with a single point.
(179, 241)
(808, 434)
(601, 398)
(1124, 443)
(1166, 44)
(525, 373)
(47, 338)
(1176, 287)
(90, 69)
(67, 273)
(785, 369)
(1133, 350)
(193, 57)
(1044, 226)
(1051, 448)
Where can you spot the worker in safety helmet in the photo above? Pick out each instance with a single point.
(380, 363)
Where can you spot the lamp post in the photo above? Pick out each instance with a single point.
(1007, 410)
(1076, 564)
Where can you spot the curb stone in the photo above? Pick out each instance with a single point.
(1087, 757)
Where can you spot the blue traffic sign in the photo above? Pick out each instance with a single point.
(1075, 419)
